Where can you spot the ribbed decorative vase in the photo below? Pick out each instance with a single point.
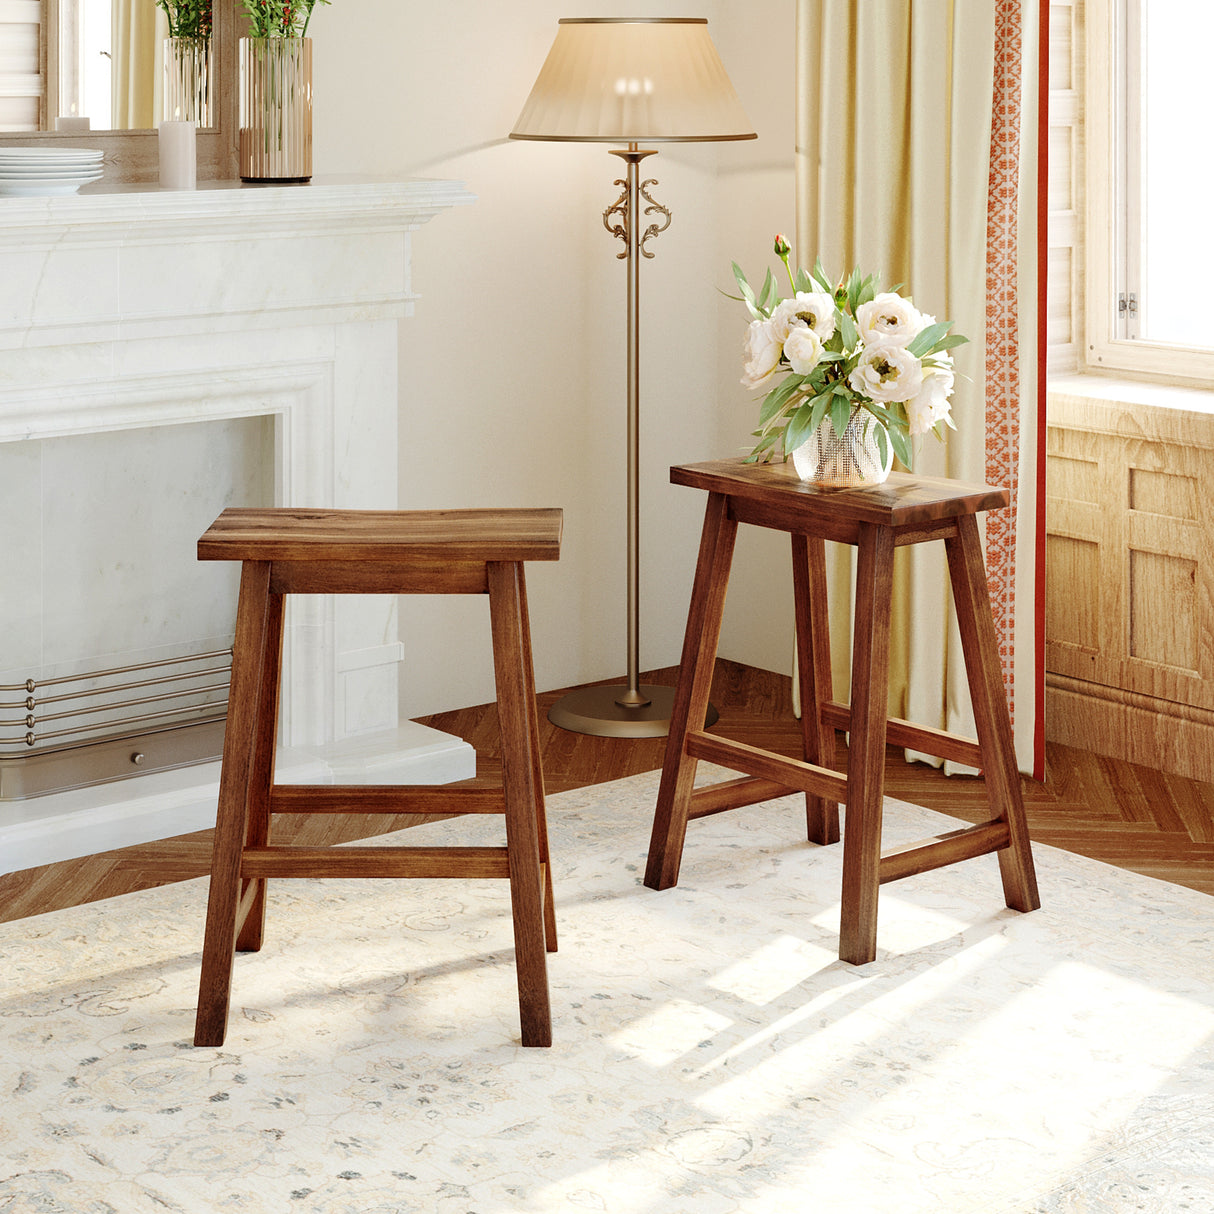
(186, 96)
(845, 461)
(276, 109)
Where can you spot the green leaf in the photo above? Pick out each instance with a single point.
(791, 384)
(882, 444)
(840, 413)
(853, 289)
(847, 326)
(820, 277)
(767, 296)
(799, 428)
(777, 398)
(748, 294)
(926, 340)
(949, 343)
(902, 446)
(764, 445)
(803, 282)
(819, 414)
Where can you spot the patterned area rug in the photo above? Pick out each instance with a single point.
(712, 1054)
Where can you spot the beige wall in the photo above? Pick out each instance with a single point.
(757, 195)
(515, 389)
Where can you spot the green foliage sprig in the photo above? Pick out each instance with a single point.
(187, 18)
(279, 18)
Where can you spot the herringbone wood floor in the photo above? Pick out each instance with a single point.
(1125, 815)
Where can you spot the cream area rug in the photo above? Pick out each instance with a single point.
(712, 1055)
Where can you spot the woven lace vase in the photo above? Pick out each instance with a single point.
(847, 461)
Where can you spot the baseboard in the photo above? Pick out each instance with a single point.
(143, 809)
(1169, 737)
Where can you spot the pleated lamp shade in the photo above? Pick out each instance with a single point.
(633, 80)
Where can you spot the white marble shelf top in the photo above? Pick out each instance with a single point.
(103, 206)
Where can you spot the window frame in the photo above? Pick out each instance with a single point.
(1113, 123)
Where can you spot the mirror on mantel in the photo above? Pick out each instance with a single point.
(65, 59)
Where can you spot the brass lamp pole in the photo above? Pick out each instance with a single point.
(631, 81)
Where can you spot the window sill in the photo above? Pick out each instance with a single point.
(1131, 408)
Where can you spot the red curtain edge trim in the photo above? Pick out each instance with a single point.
(1043, 214)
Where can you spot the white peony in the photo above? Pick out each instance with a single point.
(802, 348)
(806, 309)
(763, 350)
(889, 319)
(931, 404)
(887, 373)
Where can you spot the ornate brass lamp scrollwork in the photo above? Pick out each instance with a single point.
(622, 208)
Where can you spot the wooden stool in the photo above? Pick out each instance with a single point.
(376, 552)
(904, 510)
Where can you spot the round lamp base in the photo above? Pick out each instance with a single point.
(598, 711)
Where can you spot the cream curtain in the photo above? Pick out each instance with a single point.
(139, 28)
(894, 174)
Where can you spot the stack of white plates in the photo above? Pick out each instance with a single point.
(32, 171)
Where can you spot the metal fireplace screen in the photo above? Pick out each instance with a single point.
(102, 725)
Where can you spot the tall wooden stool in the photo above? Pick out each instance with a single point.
(376, 552)
(904, 510)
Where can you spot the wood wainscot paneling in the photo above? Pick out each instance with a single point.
(1130, 579)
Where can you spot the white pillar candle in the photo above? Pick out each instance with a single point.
(72, 123)
(178, 156)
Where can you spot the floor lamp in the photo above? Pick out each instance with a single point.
(630, 81)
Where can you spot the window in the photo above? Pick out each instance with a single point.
(20, 66)
(1148, 183)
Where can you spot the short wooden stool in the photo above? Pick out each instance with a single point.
(376, 552)
(904, 510)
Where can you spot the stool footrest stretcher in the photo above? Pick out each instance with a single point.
(794, 774)
(923, 856)
(375, 862)
(387, 799)
(733, 794)
(914, 737)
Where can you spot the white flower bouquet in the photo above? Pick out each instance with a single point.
(833, 352)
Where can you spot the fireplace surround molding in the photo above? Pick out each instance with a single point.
(125, 308)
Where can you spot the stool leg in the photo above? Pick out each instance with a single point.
(971, 596)
(691, 692)
(537, 769)
(261, 776)
(522, 798)
(814, 677)
(866, 753)
(223, 906)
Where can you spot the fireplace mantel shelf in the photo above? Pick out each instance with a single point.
(131, 211)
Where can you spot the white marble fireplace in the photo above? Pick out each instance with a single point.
(237, 311)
